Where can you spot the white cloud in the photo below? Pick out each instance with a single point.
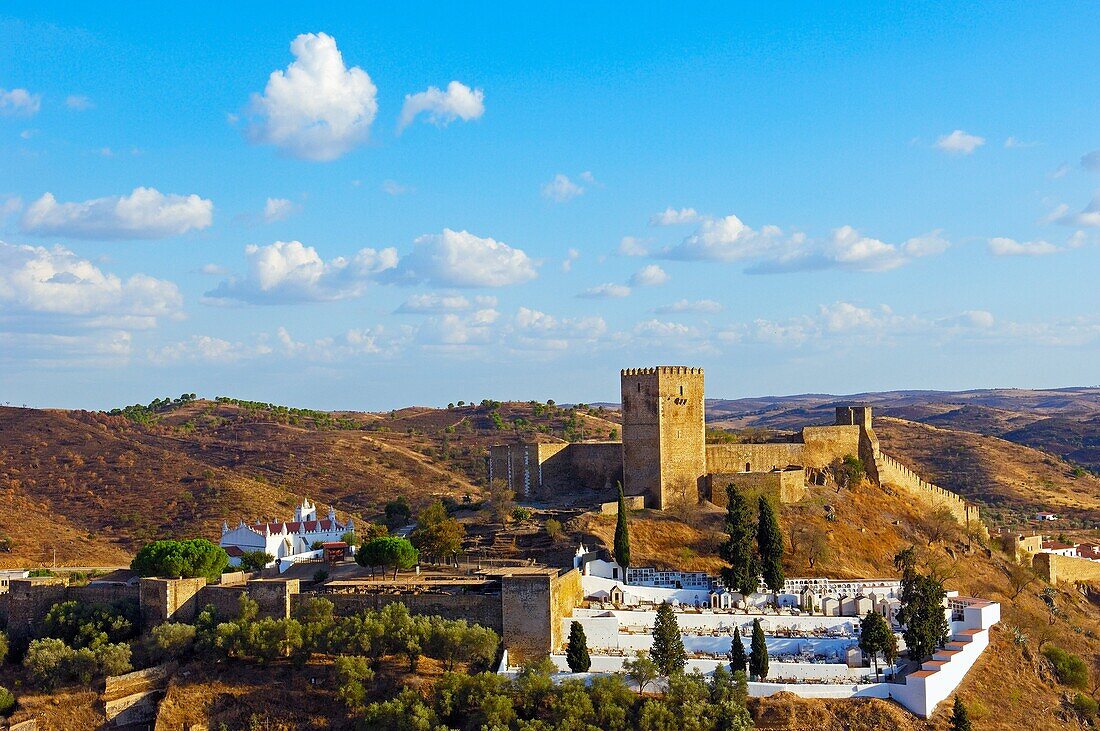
(1089, 217)
(355, 342)
(1091, 161)
(959, 143)
(318, 109)
(53, 290)
(927, 245)
(1059, 172)
(443, 107)
(631, 246)
(215, 269)
(1016, 143)
(278, 209)
(1001, 246)
(970, 319)
(671, 217)
(725, 239)
(144, 214)
(288, 271)
(437, 303)
(606, 291)
(19, 102)
(649, 276)
(10, 205)
(851, 249)
(706, 306)
(392, 187)
(571, 256)
(561, 189)
(206, 349)
(531, 329)
(461, 259)
(78, 102)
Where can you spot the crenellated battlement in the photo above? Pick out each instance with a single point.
(662, 370)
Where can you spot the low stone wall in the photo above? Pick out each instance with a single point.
(1055, 568)
(633, 502)
(730, 458)
(483, 609)
(133, 698)
(786, 486)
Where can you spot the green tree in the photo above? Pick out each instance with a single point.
(7, 702)
(769, 541)
(188, 559)
(758, 658)
(875, 636)
(641, 671)
(738, 660)
(622, 533)
(255, 560)
(921, 610)
(960, 719)
(352, 675)
(1070, 669)
(741, 573)
(668, 644)
(385, 552)
(398, 512)
(3, 647)
(577, 653)
(170, 640)
(437, 534)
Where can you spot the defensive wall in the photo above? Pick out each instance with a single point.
(892, 472)
(536, 470)
(27, 600)
(1055, 568)
(479, 608)
(779, 486)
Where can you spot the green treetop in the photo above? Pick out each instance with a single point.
(668, 645)
(769, 542)
(577, 653)
(741, 574)
(622, 536)
(738, 660)
(758, 659)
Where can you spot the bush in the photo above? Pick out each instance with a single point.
(1086, 707)
(7, 702)
(3, 646)
(189, 559)
(255, 560)
(521, 514)
(171, 640)
(50, 661)
(1070, 669)
(89, 625)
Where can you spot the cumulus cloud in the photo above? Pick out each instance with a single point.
(146, 213)
(1089, 217)
(19, 102)
(288, 271)
(631, 246)
(532, 329)
(705, 306)
(206, 349)
(443, 107)
(649, 276)
(461, 259)
(10, 205)
(724, 239)
(570, 256)
(606, 291)
(1013, 143)
(438, 303)
(561, 189)
(318, 109)
(959, 143)
(278, 209)
(1091, 161)
(79, 102)
(1001, 246)
(672, 217)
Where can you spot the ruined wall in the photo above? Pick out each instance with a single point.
(28, 600)
(1055, 568)
(633, 502)
(823, 444)
(597, 465)
(226, 600)
(566, 594)
(787, 486)
(103, 593)
(483, 609)
(169, 600)
(534, 470)
(730, 458)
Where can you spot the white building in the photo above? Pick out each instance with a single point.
(590, 565)
(288, 541)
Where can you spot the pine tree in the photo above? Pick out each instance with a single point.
(758, 660)
(577, 652)
(668, 645)
(738, 661)
(742, 573)
(960, 719)
(875, 636)
(769, 542)
(622, 536)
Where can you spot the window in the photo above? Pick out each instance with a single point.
(681, 390)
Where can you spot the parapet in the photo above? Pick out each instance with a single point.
(663, 370)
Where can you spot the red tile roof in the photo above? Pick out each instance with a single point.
(305, 526)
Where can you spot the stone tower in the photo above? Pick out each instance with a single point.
(664, 437)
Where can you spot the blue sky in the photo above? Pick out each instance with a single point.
(373, 207)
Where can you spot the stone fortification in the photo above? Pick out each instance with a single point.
(779, 486)
(1055, 568)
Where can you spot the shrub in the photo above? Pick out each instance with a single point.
(171, 640)
(44, 661)
(188, 559)
(7, 702)
(521, 514)
(3, 646)
(320, 576)
(79, 625)
(255, 560)
(1070, 669)
(1086, 707)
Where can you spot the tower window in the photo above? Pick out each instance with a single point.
(681, 390)
(639, 388)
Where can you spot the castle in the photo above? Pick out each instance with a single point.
(664, 459)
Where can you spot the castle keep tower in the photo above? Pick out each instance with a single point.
(664, 437)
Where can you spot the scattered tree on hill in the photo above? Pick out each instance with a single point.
(7, 702)
(875, 636)
(622, 533)
(741, 573)
(921, 610)
(255, 560)
(960, 719)
(758, 659)
(350, 538)
(817, 545)
(352, 675)
(577, 652)
(668, 644)
(398, 512)
(437, 534)
(188, 559)
(939, 525)
(500, 502)
(1070, 669)
(1020, 576)
(642, 671)
(368, 531)
(49, 662)
(769, 542)
(391, 551)
(738, 660)
(553, 529)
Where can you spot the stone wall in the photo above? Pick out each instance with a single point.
(483, 609)
(730, 458)
(785, 486)
(1055, 568)
(169, 600)
(892, 472)
(27, 602)
(566, 594)
(132, 698)
(633, 502)
(104, 593)
(226, 600)
(598, 465)
(827, 443)
(533, 603)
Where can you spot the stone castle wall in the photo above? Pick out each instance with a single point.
(823, 444)
(532, 607)
(786, 486)
(169, 600)
(535, 470)
(483, 609)
(1055, 568)
(729, 458)
(892, 472)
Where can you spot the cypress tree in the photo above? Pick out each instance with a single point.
(622, 536)
(769, 541)
(960, 719)
(875, 636)
(742, 573)
(738, 661)
(577, 652)
(758, 660)
(668, 645)
(921, 613)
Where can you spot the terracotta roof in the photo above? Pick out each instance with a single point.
(1056, 546)
(234, 551)
(292, 526)
(334, 544)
